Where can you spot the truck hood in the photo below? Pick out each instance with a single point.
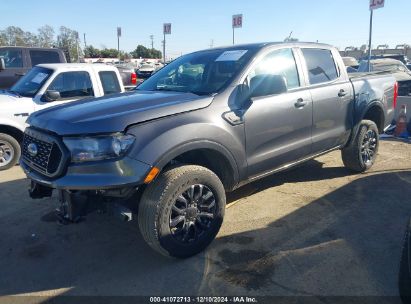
(114, 113)
(6, 98)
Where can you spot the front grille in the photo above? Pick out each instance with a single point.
(49, 156)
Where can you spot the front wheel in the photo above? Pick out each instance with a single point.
(9, 151)
(181, 212)
(361, 152)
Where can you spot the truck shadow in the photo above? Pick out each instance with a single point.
(345, 242)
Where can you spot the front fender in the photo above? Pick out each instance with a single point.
(4, 121)
(157, 143)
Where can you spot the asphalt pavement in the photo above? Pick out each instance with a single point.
(315, 230)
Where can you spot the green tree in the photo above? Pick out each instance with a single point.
(46, 36)
(14, 36)
(92, 52)
(30, 39)
(3, 38)
(143, 52)
(109, 53)
(67, 41)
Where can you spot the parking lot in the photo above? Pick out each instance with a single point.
(315, 230)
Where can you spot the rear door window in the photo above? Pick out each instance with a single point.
(38, 57)
(321, 65)
(13, 58)
(73, 85)
(109, 82)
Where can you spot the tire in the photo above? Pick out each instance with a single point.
(161, 207)
(361, 152)
(404, 282)
(10, 151)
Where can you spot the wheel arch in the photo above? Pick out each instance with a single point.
(375, 113)
(208, 154)
(12, 131)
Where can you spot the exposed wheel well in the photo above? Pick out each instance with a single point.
(212, 160)
(16, 133)
(376, 115)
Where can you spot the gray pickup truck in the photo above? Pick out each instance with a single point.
(16, 61)
(207, 123)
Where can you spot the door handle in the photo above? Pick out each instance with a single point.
(342, 93)
(300, 103)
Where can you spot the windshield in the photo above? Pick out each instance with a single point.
(30, 84)
(201, 73)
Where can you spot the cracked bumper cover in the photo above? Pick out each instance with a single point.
(100, 175)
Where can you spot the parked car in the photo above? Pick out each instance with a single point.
(351, 64)
(404, 282)
(16, 61)
(128, 76)
(44, 86)
(207, 123)
(399, 70)
(145, 70)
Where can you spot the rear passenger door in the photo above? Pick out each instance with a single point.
(278, 127)
(332, 99)
(109, 82)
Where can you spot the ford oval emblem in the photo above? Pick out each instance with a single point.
(32, 149)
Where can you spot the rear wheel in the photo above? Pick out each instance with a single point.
(9, 151)
(361, 152)
(181, 212)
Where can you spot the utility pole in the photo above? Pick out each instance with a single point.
(78, 49)
(85, 43)
(212, 43)
(118, 41)
(370, 41)
(164, 49)
(152, 41)
(166, 31)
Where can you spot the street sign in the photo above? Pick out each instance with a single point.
(237, 21)
(376, 4)
(167, 28)
(118, 31)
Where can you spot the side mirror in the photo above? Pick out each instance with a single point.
(52, 95)
(266, 84)
(2, 64)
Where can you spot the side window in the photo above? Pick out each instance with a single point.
(109, 82)
(72, 85)
(278, 63)
(38, 57)
(321, 65)
(12, 58)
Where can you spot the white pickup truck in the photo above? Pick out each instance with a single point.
(47, 85)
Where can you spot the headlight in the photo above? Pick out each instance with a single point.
(98, 148)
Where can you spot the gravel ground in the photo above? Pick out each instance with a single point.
(315, 230)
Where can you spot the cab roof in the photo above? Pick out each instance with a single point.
(77, 67)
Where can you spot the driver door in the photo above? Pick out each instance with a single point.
(71, 86)
(278, 127)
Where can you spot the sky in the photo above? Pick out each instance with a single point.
(198, 24)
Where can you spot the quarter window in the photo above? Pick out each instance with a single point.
(73, 85)
(279, 63)
(109, 82)
(321, 65)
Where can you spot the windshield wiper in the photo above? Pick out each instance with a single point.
(14, 92)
